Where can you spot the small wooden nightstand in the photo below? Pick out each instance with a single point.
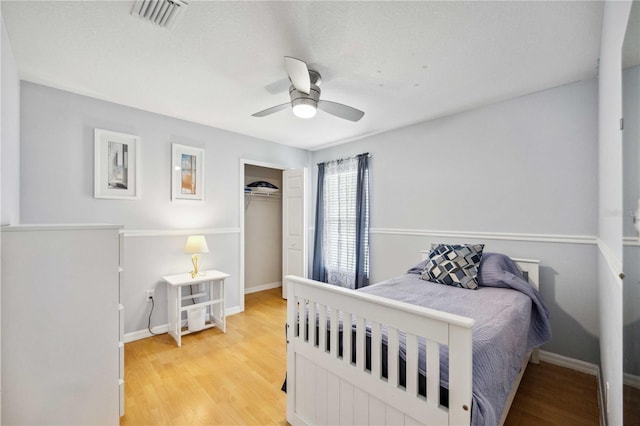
(209, 285)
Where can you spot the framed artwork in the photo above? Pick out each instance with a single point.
(187, 166)
(117, 165)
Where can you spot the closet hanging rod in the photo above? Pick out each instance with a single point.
(262, 194)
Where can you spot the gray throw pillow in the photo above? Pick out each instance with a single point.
(454, 264)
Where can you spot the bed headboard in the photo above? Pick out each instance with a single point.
(529, 268)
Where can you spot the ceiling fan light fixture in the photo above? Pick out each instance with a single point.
(305, 95)
(304, 107)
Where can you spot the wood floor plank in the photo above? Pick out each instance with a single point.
(631, 397)
(549, 394)
(234, 378)
(215, 377)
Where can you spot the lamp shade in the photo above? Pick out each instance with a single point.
(196, 244)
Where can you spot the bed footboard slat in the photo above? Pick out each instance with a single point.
(302, 314)
(312, 322)
(392, 357)
(361, 334)
(346, 337)
(433, 364)
(322, 327)
(333, 343)
(412, 364)
(376, 348)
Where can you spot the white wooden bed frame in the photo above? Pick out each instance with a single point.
(326, 389)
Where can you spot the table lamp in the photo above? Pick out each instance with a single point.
(196, 244)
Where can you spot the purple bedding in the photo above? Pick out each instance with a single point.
(510, 321)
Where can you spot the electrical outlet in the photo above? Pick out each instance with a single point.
(149, 295)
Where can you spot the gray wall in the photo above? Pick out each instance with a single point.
(492, 169)
(630, 147)
(10, 131)
(519, 170)
(631, 315)
(57, 187)
(57, 160)
(631, 185)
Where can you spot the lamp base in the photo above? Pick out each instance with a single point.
(195, 272)
(194, 261)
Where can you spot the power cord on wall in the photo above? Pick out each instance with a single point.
(193, 300)
(153, 304)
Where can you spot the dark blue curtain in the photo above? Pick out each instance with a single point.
(319, 272)
(362, 222)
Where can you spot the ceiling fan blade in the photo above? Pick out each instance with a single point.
(340, 110)
(298, 73)
(271, 110)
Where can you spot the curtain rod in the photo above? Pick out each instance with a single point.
(347, 158)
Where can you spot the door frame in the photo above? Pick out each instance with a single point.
(243, 163)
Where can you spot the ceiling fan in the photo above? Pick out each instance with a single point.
(305, 95)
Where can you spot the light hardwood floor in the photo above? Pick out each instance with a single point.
(631, 414)
(235, 377)
(552, 395)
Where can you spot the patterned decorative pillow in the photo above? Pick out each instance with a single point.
(454, 264)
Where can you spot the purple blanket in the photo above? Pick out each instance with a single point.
(508, 325)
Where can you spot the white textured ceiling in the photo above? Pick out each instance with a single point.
(400, 62)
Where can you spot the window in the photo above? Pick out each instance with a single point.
(344, 229)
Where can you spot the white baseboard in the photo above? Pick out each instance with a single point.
(263, 287)
(233, 311)
(572, 363)
(143, 334)
(631, 380)
(164, 328)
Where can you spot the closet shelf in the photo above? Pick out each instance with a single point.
(263, 194)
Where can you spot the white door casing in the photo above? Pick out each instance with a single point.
(294, 225)
(241, 210)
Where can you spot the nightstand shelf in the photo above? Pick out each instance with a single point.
(210, 285)
(200, 304)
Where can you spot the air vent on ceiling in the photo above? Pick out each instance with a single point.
(163, 13)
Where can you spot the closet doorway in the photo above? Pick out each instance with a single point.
(262, 225)
(273, 226)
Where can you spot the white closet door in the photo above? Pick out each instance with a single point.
(294, 225)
